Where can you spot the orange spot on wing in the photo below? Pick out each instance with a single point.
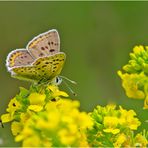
(13, 57)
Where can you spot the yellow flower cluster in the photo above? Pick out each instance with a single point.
(45, 118)
(61, 124)
(114, 128)
(134, 78)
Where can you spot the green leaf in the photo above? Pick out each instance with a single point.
(23, 92)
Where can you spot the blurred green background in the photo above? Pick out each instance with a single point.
(97, 38)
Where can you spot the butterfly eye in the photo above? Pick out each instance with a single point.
(58, 80)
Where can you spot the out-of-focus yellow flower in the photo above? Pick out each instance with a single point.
(32, 141)
(53, 120)
(84, 120)
(66, 137)
(83, 141)
(61, 120)
(25, 116)
(120, 140)
(140, 141)
(16, 128)
(26, 131)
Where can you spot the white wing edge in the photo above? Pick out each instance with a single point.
(9, 55)
(44, 34)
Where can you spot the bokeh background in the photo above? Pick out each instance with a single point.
(97, 38)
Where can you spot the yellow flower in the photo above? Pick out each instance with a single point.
(64, 105)
(130, 83)
(85, 121)
(61, 120)
(66, 137)
(128, 119)
(83, 141)
(26, 131)
(16, 128)
(41, 122)
(138, 49)
(116, 127)
(26, 116)
(35, 108)
(134, 78)
(36, 98)
(140, 141)
(13, 106)
(110, 121)
(36, 101)
(32, 141)
(120, 140)
(6, 118)
(110, 124)
(112, 130)
(56, 93)
(51, 121)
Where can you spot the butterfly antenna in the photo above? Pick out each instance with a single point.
(73, 82)
(70, 88)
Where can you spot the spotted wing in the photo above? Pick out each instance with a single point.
(44, 68)
(45, 44)
(18, 57)
(28, 73)
(50, 66)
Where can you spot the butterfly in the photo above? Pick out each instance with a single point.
(40, 61)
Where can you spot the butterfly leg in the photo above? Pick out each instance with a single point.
(43, 81)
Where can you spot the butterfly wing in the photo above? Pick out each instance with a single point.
(18, 57)
(28, 73)
(50, 66)
(45, 44)
(45, 68)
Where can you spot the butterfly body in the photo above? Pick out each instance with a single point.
(40, 61)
